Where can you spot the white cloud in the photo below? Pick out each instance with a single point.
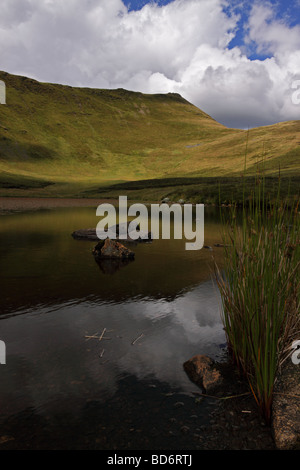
(270, 34)
(181, 47)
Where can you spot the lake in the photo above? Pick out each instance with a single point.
(64, 388)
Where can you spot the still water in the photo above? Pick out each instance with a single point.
(62, 388)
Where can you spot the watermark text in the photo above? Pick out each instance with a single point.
(2, 352)
(296, 93)
(161, 215)
(2, 92)
(296, 354)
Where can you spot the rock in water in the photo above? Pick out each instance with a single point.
(203, 372)
(85, 234)
(111, 249)
(91, 234)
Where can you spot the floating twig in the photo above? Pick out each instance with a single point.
(95, 336)
(136, 339)
(102, 352)
(205, 395)
(102, 334)
(92, 336)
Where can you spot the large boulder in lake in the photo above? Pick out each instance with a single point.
(111, 249)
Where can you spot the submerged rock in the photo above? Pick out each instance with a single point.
(111, 249)
(112, 265)
(85, 234)
(203, 371)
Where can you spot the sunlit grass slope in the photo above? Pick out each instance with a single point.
(58, 140)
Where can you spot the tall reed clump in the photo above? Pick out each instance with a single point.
(259, 288)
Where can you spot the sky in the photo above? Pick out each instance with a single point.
(236, 60)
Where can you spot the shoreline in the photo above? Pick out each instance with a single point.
(17, 204)
(10, 204)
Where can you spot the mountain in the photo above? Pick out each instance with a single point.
(61, 140)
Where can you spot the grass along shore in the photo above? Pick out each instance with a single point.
(260, 287)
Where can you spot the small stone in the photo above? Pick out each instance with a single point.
(4, 439)
(179, 404)
(202, 371)
(185, 429)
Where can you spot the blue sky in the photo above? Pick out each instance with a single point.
(138, 4)
(238, 61)
(287, 11)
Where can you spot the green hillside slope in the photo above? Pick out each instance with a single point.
(60, 140)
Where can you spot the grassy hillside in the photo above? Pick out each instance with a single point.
(57, 140)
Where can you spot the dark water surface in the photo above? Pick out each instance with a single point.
(62, 390)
